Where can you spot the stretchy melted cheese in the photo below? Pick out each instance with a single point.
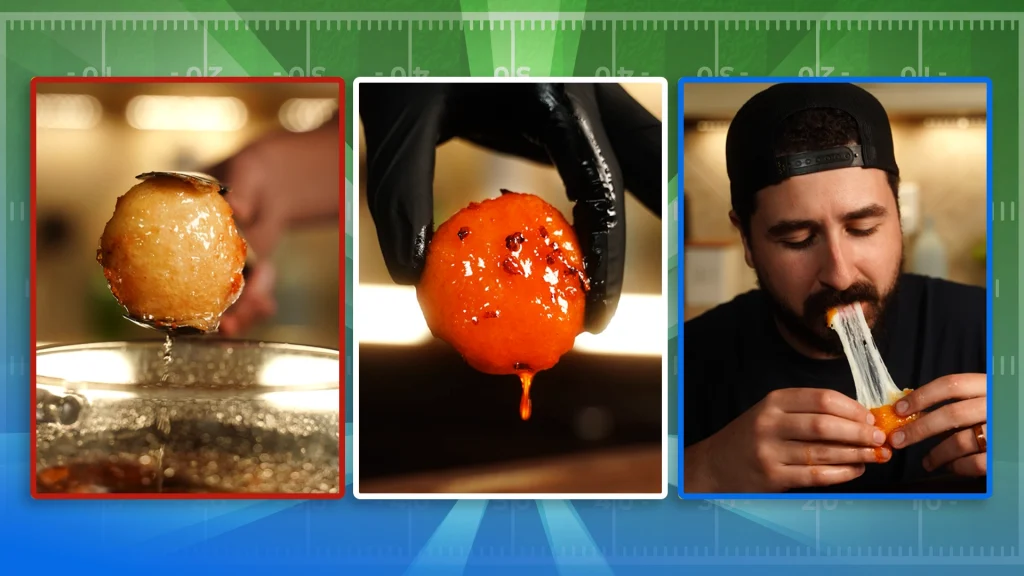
(875, 387)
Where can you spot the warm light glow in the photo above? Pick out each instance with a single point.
(637, 329)
(305, 400)
(712, 125)
(67, 111)
(388, 314)
(960, 122)
(305, 114)
(187, 113)
(301, 371)
(94, 366)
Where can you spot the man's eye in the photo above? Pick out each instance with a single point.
(798, 244)
(863, 231)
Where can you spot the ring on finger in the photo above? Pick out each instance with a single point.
(979, 435)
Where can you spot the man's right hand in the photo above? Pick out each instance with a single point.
(794, 438)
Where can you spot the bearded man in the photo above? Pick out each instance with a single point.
(769, 396)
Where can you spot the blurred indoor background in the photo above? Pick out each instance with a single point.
(422, 409)
(93, 139)
(939, 134)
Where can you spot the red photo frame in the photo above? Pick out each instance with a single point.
(340, 83)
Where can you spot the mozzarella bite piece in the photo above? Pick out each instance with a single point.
(172, 254)
(504, 284)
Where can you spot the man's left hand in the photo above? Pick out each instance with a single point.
(964, 452)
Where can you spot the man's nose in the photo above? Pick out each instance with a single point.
(837, 270)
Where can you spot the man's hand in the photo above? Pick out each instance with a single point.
(794, 438)
(278, 181)
(960, 452)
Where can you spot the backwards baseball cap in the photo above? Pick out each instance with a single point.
(751, 158)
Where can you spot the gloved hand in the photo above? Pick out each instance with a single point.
(599, 139)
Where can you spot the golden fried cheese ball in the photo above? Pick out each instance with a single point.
(171, 252)
(504, 284)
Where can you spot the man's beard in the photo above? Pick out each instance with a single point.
(811, 328)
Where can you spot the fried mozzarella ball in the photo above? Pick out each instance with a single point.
(172, 254)
(504, 284)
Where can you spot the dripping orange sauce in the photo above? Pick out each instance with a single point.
(525, 404)
(888, 421)
(830, 315)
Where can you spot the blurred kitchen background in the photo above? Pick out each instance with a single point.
(429, 423)
(93, 139)
(940, 138)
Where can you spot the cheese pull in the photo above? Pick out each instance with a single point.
(875, 387)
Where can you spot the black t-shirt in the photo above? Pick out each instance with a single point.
(734, 356)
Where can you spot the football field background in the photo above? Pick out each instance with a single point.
(596, 536)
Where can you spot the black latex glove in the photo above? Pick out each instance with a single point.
(599, 139)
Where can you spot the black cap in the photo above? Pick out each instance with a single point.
(750, 156)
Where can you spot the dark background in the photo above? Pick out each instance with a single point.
(422, 408)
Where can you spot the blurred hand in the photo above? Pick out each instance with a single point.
(961, 452)
(794, 438)
(275, 183)
(598, 138)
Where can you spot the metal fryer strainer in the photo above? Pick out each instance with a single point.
(202, 416)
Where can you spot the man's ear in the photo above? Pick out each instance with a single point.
(746, 243)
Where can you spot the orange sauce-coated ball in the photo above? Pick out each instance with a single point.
(504, 285)
(888, 421)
